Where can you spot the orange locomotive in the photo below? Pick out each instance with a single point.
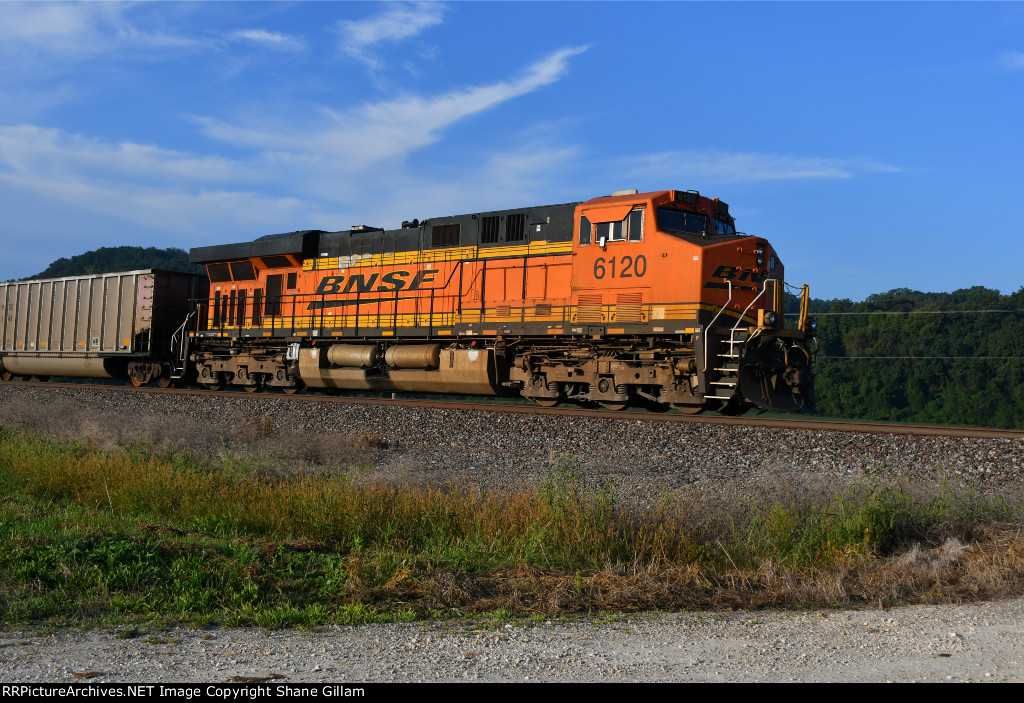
(635, 298)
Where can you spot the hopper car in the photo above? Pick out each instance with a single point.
(651, 299)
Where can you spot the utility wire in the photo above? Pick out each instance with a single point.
(922, 358)
(903, 312)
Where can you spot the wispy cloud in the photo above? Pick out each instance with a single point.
(80, 28)
(359, 38)
(386, 131)
(724, 167)
(269, 40)
(1013, 60)
(27, 150)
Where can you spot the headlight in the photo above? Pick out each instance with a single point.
(769, 318)
(812, 325)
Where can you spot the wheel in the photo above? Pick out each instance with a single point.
(213, 386)
(688, 409)
(292, 390)
(251, 389)
(615, 405)
(136, 382)
(546, 402)
(164, 381)
(6, 376)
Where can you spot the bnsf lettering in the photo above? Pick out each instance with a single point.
(364, 283)
(734, 273)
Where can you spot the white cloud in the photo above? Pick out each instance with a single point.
(1013, 60)
(80, 28)
(398, 22)
(270, 40)
(724, 167)
(28, 150)
(386, 131)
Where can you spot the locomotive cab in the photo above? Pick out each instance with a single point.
(677, 256)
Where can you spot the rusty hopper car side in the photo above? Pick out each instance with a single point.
(115, 325)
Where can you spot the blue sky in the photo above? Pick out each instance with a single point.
(876, 145)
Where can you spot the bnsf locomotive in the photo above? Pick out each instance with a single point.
(649, 299)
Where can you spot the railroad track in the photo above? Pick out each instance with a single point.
(789, 422)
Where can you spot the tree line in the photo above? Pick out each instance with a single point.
(931, 358)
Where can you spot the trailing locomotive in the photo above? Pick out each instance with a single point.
(635, 298)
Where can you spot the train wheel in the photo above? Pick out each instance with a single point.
(615, 405)
(136, 382)
(164, 381)
(213, 386)
(688, 409)
(292, 390)
(546, 402)
(6, 376)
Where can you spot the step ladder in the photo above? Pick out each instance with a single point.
(727, 366)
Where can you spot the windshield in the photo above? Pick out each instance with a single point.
(670, 220)
(723, 227)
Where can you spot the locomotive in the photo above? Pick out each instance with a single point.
(649, 299)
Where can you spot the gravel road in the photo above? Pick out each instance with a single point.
(653, 464)
(979, 642)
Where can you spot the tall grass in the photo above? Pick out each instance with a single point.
(134, 532)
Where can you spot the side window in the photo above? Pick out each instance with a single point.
(586, 230)
(292, 281)
(636, 225)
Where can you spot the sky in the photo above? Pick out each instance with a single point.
(875, 145)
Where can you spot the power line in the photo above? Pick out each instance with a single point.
(928, 358)
(904, 312)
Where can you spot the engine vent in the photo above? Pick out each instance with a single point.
(589, 308)
(629, 307)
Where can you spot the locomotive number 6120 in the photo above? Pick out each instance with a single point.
(626, 267)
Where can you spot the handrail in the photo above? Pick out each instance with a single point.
(764, 289)
(711, 324)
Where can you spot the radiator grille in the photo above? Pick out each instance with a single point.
(589, 308)
(629, 307)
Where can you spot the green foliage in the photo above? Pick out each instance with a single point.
(119, 538)
(112, 259)
(980, 390)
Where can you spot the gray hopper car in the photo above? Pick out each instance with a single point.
(113, 325)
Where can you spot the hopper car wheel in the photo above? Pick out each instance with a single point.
(546, 402)
(136, 382)
(165, 382)
(292, 390)
(688, 409)
(213, 386)
(251, 389)
(6, 376)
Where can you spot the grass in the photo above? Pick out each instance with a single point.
(122, 537)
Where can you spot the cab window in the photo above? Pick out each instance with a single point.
(629, 229)
(723, 227)
(680, 221)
